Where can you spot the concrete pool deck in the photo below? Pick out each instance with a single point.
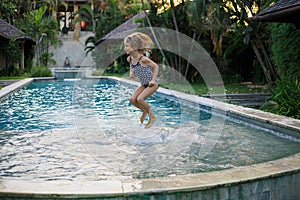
(277, 179)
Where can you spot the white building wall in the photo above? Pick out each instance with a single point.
(72, 49)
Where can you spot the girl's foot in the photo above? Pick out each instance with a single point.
(142, 118)
(152, 119)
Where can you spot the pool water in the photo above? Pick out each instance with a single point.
(88, 130)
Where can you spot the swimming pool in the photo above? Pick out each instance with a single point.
(87, 130)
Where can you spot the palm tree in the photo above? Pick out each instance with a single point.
(43, 28)
(7, 10)
(235, 13)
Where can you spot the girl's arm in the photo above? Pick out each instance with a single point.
(131, 70)
(131, 73)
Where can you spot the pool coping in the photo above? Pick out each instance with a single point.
(265, 118)
(172, 184)
(14, 86)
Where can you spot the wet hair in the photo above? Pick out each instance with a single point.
(139, 41)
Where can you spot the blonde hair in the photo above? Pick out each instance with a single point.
(139, 41)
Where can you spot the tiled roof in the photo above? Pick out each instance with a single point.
(124, 29)
(287, 11)
(9, 31)
(280, 5)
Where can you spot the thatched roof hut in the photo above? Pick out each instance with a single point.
(285, 11)
(8, 32)
(124, 29)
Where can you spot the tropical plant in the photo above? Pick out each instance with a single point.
(86, 13)
(285, 49)
(104, 17)
(7, 10)
(107, 17)
(285, 55)
(53, 5)
(40, 71)
(219, 20)
(238, 13)
(43, 28)
(11, 52)
(173, 18)
(285, 100)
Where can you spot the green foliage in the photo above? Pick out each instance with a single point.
(285, 100)
(7, 9)
(201, 89)
(285, 49)
(12, 53)
(85, 13)
(98, 72)
(47, 58)
(111, 17)
(12, 71)
(43, 28)
(232, 79)
(118, 67)
(114, 14)
(40, 71)
(11, 50)
(14, 77)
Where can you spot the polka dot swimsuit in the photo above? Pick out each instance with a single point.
(144, 73)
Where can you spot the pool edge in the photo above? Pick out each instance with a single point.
(265, 119)
(200, 182)
(258, 177)
(13, 87)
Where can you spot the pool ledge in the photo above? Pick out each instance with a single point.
(290, 126)
(277, 179)
(248, 176)
(13, 87)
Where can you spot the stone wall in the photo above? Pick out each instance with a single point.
(72, 49)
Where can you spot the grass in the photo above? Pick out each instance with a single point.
(193, 88)
(201, 89)
(3, 78)
(7, 78)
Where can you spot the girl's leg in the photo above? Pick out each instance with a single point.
(133, 100)
(141, 101)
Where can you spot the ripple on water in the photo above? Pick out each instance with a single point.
(90, 131)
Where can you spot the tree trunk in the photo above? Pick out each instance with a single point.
(263, 57)
(179, 60)
(191, 50)
(93, 19)
(262, 63)
(153, 33)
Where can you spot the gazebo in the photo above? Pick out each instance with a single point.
(285, 11)
(8, 32)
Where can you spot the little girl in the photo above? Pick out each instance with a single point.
(136, 45)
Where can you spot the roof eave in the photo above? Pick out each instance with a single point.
(289, 15)
(4, 36)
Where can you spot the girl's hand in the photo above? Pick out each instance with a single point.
(151, 83)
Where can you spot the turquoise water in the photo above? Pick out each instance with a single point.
(88, 130)
(50, 105)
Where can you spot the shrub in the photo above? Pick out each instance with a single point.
(285, 100)
(40, 71)
(98, 72)
(285, 49)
